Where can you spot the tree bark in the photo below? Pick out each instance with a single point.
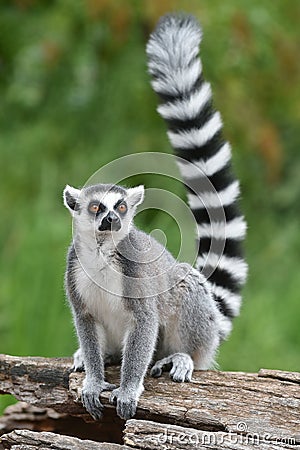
(21, 439)
(143, 434)
(223, 405)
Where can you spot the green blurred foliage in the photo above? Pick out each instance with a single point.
(75, 95)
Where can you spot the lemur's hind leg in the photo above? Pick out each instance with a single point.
(192, 338)
(78, 362)
(182, 367)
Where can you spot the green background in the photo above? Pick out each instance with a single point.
(75, 94)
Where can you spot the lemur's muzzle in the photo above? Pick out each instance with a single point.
(111, 222)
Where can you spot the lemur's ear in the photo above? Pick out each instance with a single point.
(71, 196)
(136, 195)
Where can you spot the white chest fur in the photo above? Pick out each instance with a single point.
(99, 283)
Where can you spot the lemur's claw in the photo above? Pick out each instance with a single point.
(92, 404)
(155, 372)
(77, 368)
(91, 399)
(124, 402)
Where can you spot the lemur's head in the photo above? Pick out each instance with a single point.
(103, 209)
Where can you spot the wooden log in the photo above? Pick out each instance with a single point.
(263, 404)
(25, 439)
(143, 434)
(24, 416)
(44, 383)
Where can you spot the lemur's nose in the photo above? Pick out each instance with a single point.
(112, 217)
(110, 222)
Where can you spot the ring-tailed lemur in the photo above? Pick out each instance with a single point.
(131, 301)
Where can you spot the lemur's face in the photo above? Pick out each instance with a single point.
(103, 209)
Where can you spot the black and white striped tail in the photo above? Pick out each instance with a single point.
(204, 157)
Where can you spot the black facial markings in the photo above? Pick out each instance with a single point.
(102, 208)
(119, 202)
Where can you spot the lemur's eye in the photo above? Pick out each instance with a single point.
(122, 208)
(95, 207)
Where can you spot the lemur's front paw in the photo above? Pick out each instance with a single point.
(90, 396)
(91, 402)
(125, 403)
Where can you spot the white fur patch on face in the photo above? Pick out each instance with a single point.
(108, 199)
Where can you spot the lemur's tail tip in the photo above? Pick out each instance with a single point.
(177, 26)
(181, 20)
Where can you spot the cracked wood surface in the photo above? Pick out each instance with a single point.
(267, 403)
(143, 434)
(146, 435)
(25, 416)
(30, 440)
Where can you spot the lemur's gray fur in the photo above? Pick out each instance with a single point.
(132, 302)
